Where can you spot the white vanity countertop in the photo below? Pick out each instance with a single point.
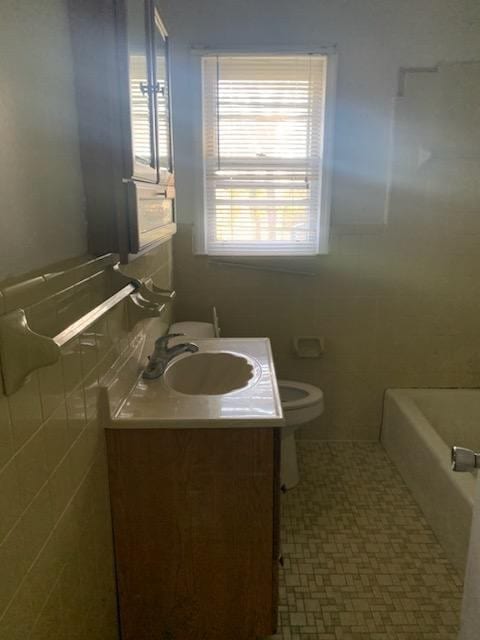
(152, 404)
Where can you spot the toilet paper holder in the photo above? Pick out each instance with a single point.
(309, 346)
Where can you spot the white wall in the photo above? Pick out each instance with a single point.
(41, 194)
(396, 304)
(374, 39)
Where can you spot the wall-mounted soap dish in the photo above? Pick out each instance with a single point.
(309, 346)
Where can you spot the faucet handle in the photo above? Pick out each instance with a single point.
(161, 343)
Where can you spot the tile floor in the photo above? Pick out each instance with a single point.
(361, 563)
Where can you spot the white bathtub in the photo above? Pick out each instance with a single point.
(419, 428)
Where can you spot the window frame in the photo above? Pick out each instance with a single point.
(324, 215)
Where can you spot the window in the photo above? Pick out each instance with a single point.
(266, 186)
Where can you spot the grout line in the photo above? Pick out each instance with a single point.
(47, 481)
(64, 401)
(48, 538)
(45, 602)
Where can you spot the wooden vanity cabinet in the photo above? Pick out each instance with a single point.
(196, 532)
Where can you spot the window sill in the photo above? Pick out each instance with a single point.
(295, 265)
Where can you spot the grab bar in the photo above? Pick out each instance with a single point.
(22, 350)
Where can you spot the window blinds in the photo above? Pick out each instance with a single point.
(263, 120)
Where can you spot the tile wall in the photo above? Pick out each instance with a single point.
(398, 304)
(56, 562)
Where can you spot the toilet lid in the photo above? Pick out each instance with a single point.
(303, 394)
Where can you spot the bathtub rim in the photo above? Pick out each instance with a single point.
(405, 399)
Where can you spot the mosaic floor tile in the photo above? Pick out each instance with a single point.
(361, 563)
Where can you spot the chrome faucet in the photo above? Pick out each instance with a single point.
(162, 354)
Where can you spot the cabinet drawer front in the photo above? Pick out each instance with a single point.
(151, 214)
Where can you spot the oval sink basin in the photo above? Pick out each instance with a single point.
(209, 373)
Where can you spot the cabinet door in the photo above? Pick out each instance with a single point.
(141, 91)
(162, 98)
(193, 519)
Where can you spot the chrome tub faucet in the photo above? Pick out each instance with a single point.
(163, 354)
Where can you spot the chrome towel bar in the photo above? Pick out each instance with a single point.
(79, 326)
(22, 350)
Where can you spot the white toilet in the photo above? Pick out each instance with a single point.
(301, 402)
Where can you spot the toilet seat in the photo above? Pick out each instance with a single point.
(310, 395)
